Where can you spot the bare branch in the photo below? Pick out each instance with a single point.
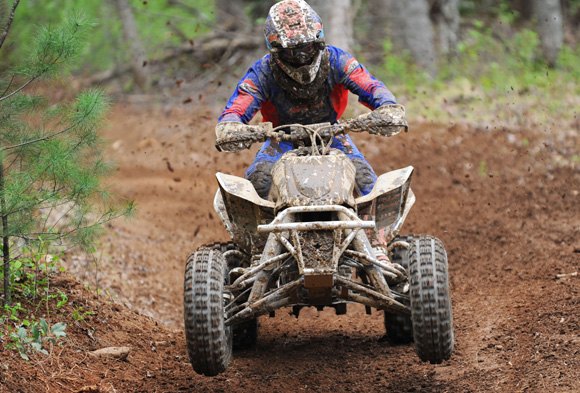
(47, 137)
(18, 90)
(65, 214)
(104, 218)
(9, 86)
(177, 31)
(192, 10)
(208, 49)
(9, 23)
(44, 138)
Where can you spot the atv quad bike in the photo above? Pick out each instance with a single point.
(309, 244)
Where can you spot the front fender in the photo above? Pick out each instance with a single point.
(245, 209)
(389, 202)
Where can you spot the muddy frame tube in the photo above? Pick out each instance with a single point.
(282, 246)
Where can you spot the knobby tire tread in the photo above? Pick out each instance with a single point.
(209, 342)
(245, 335)
(430, 300)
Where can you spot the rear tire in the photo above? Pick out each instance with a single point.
(209, 341)
(431, 312)
(399, 326)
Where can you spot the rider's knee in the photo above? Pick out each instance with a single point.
(365, 176)
(261, 178)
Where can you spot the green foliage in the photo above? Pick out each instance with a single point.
(30, 276)
(79, 314)
(54, 50)
(158, 22)
(568, 63)
(36, 336)
(400, 68)
(20, 328)
(11, 312)
(54, 160)
(493, 79)
(514, 64)
(50, 190)
(499, 10)
(506, 14)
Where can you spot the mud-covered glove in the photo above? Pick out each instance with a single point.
(232, 136)
(387, 120)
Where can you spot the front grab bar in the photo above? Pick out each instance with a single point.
(281, 224)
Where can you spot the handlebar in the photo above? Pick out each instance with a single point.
(320, 134)
(386, 120)
(301, 132)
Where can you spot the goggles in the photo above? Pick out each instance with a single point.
(299, 55)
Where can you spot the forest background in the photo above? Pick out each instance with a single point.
(446, 60)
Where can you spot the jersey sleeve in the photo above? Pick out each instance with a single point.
(355, 77)
(247, 99)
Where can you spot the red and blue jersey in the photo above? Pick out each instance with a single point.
(258, 90)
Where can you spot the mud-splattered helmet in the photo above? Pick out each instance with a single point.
(295, 37)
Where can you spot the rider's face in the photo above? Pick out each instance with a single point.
(299, 55)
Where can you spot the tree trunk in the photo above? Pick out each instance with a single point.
(6, 20)
(377, 22)
(136, 50)
(5, 239)
(524, 8)
(230, 15)
(445, 16)
(337, 18)
(550, 28)
(412, 31)
(258, 9)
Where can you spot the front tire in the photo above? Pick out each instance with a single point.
(431, 312)
(209, 341)
(245, 335)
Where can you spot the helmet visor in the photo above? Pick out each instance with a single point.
(299, 55)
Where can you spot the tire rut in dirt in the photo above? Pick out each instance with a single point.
(209, 341)
(430, 300)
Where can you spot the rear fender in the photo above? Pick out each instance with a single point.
(389, 202)
(245, 211)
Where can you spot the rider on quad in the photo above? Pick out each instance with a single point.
(305, 242)
(302, 80)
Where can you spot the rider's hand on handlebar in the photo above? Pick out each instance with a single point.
(232, 136)
(387, 120)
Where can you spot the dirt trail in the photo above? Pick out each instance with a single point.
(509, 216)
(507, 210)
